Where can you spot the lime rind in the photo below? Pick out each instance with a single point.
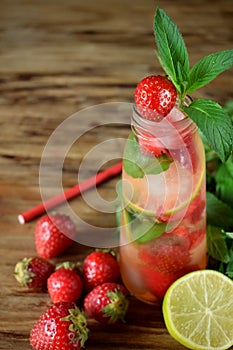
(139, 210)
(206, 323)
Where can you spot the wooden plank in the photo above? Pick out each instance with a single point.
(57, 58)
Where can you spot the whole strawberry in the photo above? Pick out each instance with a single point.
(107, 303)
(65, 284)
(53, 235)
(155, 96)
(62, 326)
(33, 272)
(100, 267)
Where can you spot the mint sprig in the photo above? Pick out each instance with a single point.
(220, 208)
(217, 245)
(172, 53)
(215, 124)
(219, 213)
(208, 68)
(224, 182)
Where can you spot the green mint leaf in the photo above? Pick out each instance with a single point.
(142, 229)
(224, 181)
(214, 123)
(229, 269)
(172, 52)
(218, 213)
(230, 235)
(208, 68)
(216, 244)
(229, 266)
(137, 164)
(228, 107)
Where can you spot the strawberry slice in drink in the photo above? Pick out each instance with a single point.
(151, 145)
(158, 282)
(168, 254)
(194, 237)
(164, 261)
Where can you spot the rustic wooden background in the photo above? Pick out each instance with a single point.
(56, 58)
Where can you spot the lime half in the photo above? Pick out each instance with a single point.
(198, 310)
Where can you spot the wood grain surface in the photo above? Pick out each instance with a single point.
(57, 58)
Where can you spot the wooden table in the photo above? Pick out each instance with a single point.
(57, 58)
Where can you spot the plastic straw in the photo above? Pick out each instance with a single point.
(70, 193)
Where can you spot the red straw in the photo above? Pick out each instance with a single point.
(70, 193)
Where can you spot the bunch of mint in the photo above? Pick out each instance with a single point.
(216, 128)
(209, 116)
(219, 178)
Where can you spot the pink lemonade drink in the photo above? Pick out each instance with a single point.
(163, 221)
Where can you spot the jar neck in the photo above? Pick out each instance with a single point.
(176, 128)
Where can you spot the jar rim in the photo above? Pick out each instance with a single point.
(179, 124)
(167, 130)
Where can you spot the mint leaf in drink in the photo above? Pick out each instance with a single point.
(208, 68)
(172, 52)
(214, 123)
(141, 228)
(137, 163)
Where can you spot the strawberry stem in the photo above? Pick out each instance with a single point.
(117, 307)
(78, 325)
(22, 273)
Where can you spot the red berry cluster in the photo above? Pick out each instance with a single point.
(79, 291)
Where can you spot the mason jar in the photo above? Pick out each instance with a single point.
(163, 217)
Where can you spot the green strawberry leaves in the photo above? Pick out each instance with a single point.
(172, 53)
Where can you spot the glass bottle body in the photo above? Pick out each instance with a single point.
(163, 218)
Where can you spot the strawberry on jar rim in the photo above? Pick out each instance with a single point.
(155, 96)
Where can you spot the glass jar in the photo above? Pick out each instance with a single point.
(163, 217)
